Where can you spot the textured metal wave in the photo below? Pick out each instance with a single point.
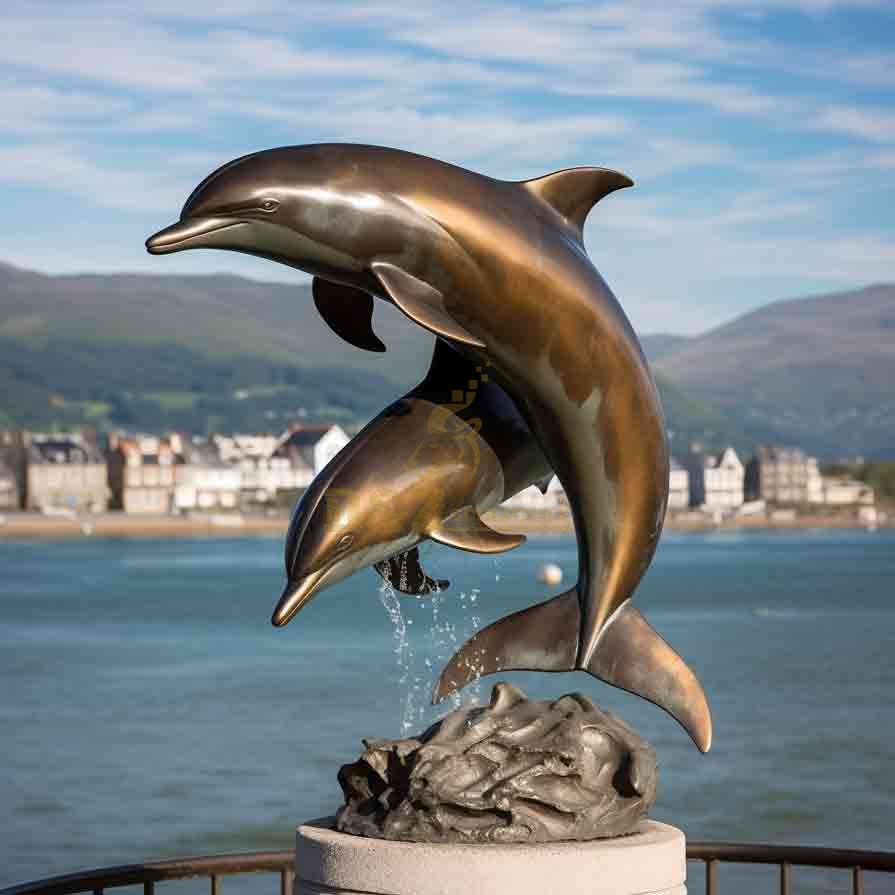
(517, 770)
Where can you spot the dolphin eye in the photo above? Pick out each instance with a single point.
(269, 205)
(346, 541)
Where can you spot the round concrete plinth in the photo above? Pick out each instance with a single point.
(651, 861)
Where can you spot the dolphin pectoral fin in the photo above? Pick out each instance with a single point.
(631, 655)
(405, 574)
(422, 303)
(544, 483)
(348, 312)
(466, 531)
(574, 191)
(541, 638)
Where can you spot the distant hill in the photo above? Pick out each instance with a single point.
(202, 353)
(657, 345)
(192, 352)
(816, 371)
(212, 315)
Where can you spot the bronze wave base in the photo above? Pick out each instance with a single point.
(515, 771)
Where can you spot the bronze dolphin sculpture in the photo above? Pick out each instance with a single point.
(428, 466)
(499, 269)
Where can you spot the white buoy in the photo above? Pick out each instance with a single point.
(550, 573)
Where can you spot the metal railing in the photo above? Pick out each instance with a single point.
(214, 867)
(785, 857)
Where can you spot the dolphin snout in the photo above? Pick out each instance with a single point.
(294, 597)
(191, 233)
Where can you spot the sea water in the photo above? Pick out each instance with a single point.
(148, 709)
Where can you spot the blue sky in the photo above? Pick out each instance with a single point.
(761, 135)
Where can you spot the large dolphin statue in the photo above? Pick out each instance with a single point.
(428, 466)
(499, 269)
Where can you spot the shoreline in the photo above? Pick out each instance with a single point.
(23, 525)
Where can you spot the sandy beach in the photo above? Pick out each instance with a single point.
(36, 525)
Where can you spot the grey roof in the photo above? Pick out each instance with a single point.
(307, 436)
(63, 450)
(203, 453)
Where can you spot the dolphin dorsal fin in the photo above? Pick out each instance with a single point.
(573, 192)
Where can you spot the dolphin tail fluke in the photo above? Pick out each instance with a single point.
(631, 655)
(541, 638)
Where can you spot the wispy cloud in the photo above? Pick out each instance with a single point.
(761, 132)
(867, 123)
(62, 168)
(27, 108)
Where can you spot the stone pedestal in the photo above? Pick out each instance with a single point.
(651, 861)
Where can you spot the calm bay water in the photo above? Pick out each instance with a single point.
(148, 709)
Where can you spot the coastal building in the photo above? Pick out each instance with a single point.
(844, 491)
(716, 480)
(263, 471)
(678, 486)
(783, 475)
(9, 488)
(204, 481)
(12, 479)
(309, 448)
(532, 498)
(63, 472)
(143, 472)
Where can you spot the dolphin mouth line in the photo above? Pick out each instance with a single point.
(298, 594)
(176, 237)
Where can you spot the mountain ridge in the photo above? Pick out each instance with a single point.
(761, 376)
(816, 371)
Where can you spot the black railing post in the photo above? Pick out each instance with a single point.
(711, 882)
(215, 884)
(784, 878)
(857, 881)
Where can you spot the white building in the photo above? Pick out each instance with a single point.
(264, 472)
(309, 448)
(678, 487)
(205, 481)
(716, 480)
(532, 498)
(843, 491)
(784, 475)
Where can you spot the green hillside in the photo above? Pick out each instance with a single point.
(193, 353)
(818, 371)
(205, 353)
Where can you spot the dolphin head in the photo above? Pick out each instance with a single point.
(310, 207)
(359, 511)
(391, 487)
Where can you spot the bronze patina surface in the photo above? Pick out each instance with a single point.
(428, 466)
(499, 269)
(516, 770)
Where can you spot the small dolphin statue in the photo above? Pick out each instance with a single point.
(499, 269)
(428, 466)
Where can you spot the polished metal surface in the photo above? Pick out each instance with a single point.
(428, 466)
(499, 269)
